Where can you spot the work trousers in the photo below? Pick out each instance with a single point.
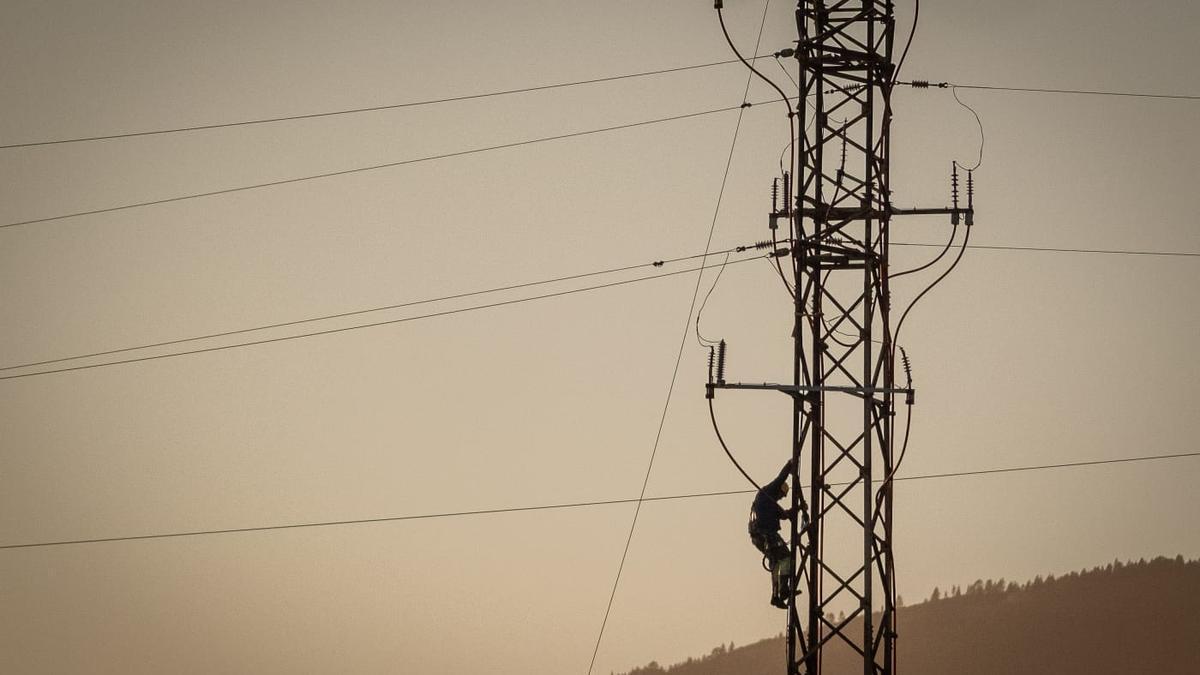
(779, 559)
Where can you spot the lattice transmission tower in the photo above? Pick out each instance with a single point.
(836, 205)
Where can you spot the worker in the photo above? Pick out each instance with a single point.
(764, 534)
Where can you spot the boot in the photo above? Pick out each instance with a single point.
(778, 595)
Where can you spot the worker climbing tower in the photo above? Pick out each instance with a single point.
(833, 255)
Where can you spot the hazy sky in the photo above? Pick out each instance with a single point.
(1021, 358)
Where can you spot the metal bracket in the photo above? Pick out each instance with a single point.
(807, 392)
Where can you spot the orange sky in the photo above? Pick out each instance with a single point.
(1021, 358)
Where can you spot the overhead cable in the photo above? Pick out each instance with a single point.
(369, 310)
(678, 358)
(573, 505)
(908, 43)
(375, 324)
(1181, 254)
(982, 137)
(705, 342)
(376, 108)
(376, 167)
(926, 84)
(783, 97)
(712, 415)
(945, 250)
(523, 90)
(913, 303)
(657, 263)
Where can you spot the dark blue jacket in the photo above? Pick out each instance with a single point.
(766, 512)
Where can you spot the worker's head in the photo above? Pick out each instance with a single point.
(783, 490)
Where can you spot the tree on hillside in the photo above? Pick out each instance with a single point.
(1143, 619)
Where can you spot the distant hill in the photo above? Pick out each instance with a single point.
(1128, 618)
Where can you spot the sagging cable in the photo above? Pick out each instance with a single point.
(717, 430)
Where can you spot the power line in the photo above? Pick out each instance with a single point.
(1181, 254)
(657, 263)
(364, 521)
(904, 315)
(524, 90)
(377, 108)
(371, 325)
(573, 505)
(925, 84)
(982, 136)
(679, 354)
(1042, 467)
(375, 167)
(342, 315)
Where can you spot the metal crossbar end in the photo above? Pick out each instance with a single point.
(806, 389)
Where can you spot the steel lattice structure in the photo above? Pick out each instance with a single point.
(843, 388)
(844, 361)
